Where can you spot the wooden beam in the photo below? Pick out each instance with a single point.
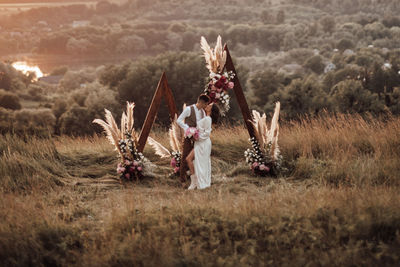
(241, 99)
(163, 90)
(151, 114)
(169, 99)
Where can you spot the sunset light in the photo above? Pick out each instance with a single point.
(25, 68)
(200, 133)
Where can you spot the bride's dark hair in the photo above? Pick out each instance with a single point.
(214, 114)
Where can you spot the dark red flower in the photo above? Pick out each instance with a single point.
(219, 84)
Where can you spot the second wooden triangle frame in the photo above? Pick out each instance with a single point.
(163, 90)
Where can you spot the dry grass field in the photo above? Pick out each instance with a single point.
(336, 204)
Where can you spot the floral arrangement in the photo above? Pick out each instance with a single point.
(132, 167)
(217, 89)
(176, 161)
(176, 135)
(264, 157)
(132, 164)
(192, 132)
(218, 82)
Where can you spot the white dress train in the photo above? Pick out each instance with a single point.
(202, 154)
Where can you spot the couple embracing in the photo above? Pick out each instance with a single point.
(197, 119)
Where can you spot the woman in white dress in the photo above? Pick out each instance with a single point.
(199, 159)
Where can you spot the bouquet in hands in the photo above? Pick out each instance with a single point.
(192, 132)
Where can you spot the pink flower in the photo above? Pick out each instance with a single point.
(217, 96)
(231, 85)
(263, 168)
(135, 163)
(127, 162)
(173, 162)
(139, 168)
(176, 169)
(120, 169)
(192, 132)
(219, 90)
(255, 165)
(196, 136)
(127, 176)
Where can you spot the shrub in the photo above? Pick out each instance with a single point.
(6, 120)
(39, 121)
(350, 96)
(77, 121)
(344, 44)
(316, 64)
(9, 100)
(328, 23)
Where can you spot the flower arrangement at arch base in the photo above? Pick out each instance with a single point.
(132, 164)
(264, 157)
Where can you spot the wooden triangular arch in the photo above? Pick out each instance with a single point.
(163, 90)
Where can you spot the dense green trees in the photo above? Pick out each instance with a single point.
(312, 55)
(373, 87)
(9, 100)
(137, 81)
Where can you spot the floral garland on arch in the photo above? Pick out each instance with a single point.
(176, 135)
(132, 164)
(218, 82)
(264, 157)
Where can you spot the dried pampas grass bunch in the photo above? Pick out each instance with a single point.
(264, 157)
(215, 58)
(132, 163)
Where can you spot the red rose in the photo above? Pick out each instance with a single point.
(219, 84)
(223, 79)
(212, 95)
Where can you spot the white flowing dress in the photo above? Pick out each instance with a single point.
(202, 154)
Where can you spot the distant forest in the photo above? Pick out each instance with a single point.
(314, 56)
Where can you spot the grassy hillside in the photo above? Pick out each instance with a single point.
(337, 204)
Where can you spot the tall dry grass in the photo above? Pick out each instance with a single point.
(337, 204)
(344, 149)
(276, 223)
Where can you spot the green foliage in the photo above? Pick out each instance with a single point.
(344, 44)
(278, 50)
(328, 23)
(76, 121)
(186, 75)
(300, 98)
(350, 96)
(264, 84)
(39, 121)
(316, 64)
(9, 100)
